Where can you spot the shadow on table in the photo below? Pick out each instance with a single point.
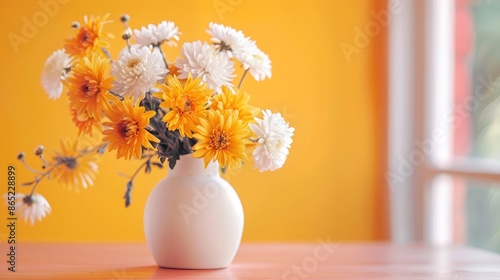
(147, 272)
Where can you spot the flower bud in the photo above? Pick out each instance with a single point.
(127, 34)
(39, 150)
(124, 18)
(20, 156)
(75, 25)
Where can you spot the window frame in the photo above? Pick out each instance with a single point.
(420, 114)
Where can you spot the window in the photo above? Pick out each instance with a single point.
(444, 122)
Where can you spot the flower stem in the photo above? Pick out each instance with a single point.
(34, 187)
(106, 52)
(30, 168)
(128, 45)
(162, 55)
(116, 94)
(43, 160)
(243, 77)
(142, 165)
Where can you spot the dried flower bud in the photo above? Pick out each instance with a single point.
(75, 25)
(127, 33)
(124, 18)
(39, 150)
(20, 156)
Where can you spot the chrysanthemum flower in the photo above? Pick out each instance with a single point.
(55, 70)
(89, 38)
(203, 60)
(237, 100)
(173, 70)
(235, 43)
(186, 103)
(275, 138)
(32, 207)
(229, 40)
(85, 123)
(166, 31)
(88, 86)
(222, 137)
(258, 63)
(126, 132)
(72, 168)
(137, 71)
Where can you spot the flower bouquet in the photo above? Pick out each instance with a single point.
(142, 107)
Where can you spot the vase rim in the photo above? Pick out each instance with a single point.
(188, 165)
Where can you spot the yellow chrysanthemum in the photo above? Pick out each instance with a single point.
(72, 168)
(84, 123)
(222, 136)
(89, 38)
(127, 129)
(186, 103)
(89, 85)
(237, 100)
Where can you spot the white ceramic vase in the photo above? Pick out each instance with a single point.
(193, 218)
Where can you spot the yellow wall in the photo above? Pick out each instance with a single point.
(329, 185)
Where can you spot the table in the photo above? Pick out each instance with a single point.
(258, 261)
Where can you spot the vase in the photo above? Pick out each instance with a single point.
(193, 218)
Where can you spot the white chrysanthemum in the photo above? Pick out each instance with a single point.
(166, 31)
(275, 138)
(257, 62)
(54, 70)
(230, 40)
(32, 207)
(137, 71)
(204, 61)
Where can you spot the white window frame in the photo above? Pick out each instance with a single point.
(421, 92)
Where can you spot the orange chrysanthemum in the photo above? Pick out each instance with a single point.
(186, 103)
(74, 165)
(127, 129)
(222, 136)
(237, 100)
(89, 38)
(173, 70)
(85, 123)
(89, 85)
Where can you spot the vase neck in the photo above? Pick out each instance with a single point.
(188, 165)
